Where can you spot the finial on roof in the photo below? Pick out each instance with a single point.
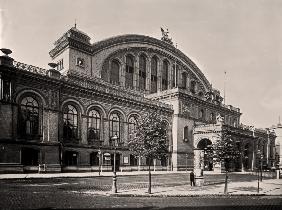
(75, 23)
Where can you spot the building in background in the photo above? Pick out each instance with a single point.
(74, 117)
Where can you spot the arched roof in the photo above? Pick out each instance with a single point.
(135, 38)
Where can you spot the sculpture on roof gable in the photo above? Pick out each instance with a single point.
(165, 37)
(219, 119)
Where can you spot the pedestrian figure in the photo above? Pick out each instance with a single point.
(192, 178)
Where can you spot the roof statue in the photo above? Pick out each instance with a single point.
(219, 119)
(165, 37)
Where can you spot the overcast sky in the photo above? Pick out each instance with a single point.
(241, 37)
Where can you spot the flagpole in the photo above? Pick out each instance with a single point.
(224, 94)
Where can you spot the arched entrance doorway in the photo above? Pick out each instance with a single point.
(206, 146)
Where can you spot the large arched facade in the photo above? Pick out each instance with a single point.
(69, 116)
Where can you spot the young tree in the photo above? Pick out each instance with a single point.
(226, 151)
(150, 139)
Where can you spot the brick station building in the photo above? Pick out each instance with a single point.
(64, 119)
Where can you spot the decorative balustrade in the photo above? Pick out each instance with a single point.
(96, 84)
(30, 68)
(208, 128)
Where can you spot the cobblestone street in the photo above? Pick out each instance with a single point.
(70, 193)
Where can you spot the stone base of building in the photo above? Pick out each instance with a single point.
(11, 168)
(199, 181)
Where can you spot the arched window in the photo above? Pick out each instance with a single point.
(132, 122)
(129, 70)
(5, 88)
(154, 74)
(184, 80)
(114, 73)
(114, 125)
(165, 75)
(29, 117)
(193, 87)
(212, 117)
(94, 126)
(142, 72)
(70, 118)
(185, 133)
(201, 114)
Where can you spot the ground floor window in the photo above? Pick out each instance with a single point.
(133, 160)
(164, 161)
(29, 157)
(94, 159)
(70, 158)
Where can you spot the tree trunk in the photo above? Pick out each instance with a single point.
(225, 183)
(149, 187)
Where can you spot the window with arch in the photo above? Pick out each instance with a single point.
(185, 133)
(70, 118)
(5, 88)
(142, 72)
(132, 122)
(184, 80)
(129, 70)
(154, 74)
(114, 125)
(193, 87)
(29, 117)
(114, 73)
(165, 75)
(201, 114)
(94, 125)
(212, 117)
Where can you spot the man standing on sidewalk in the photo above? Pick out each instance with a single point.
(192, 178)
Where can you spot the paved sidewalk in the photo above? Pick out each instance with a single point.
(267, 187)
(83, 174)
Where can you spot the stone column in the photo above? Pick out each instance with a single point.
(198, 166)
(126, 134)
(122, 74)
(84, 129)
(136, 73)
(106, 132)
(148, 76)
(169, 82)
(159, 75)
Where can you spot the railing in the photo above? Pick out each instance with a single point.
(30, 68)
(96, 84)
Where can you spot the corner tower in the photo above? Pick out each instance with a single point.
(72, 53)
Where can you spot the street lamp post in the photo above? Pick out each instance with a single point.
(186, 162)
(114, 186)
(259, 168)
(99, 153)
